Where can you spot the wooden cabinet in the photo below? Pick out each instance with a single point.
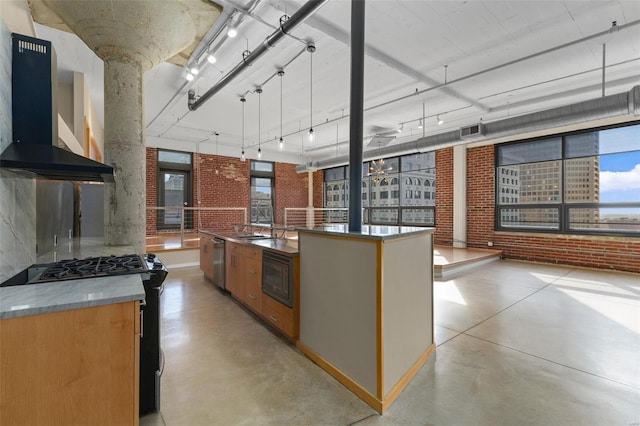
(234, 263)
(244, 282)
(279, 315)
(206, 256)
(75, 367)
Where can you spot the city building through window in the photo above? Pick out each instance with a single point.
(583, 182)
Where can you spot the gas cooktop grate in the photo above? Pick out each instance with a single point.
(91, 267)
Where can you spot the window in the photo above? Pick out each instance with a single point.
(406, 196)
(262, 186)
(583, 182)
(174, 190)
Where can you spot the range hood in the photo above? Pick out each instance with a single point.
(35, 120)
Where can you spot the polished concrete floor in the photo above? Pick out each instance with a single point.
(517, 344)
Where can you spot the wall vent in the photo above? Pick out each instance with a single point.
(471, 131)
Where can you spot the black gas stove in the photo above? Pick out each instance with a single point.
(90, 267)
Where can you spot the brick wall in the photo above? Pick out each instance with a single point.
(617, 253)
(444, 197)
(230, 187)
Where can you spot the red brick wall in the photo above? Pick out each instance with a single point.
(590, 251)
(480, 196)
(444, 197)
(292, 189)
(230, 187)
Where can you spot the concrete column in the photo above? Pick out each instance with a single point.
(124, 149)
(460, 196)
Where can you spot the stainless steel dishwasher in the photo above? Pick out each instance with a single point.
(218, 263)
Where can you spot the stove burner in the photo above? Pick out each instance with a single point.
(101, 266)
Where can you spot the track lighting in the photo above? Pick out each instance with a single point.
(440, 120)
(311, 48)
(401, 128)
(243, 100)
(195, 70)
(232, 32)
(189, 76)
(211, 59)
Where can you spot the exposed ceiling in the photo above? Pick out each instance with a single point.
(499, 58)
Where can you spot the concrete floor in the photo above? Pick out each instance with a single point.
(518, 344)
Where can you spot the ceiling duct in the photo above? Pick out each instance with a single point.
(612, 106)
(307, 9)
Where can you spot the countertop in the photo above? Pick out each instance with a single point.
(33, 299)
(374, 232)
(285, 246)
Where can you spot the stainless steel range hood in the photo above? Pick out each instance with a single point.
(35, 120)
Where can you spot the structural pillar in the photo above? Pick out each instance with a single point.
(460, 196)
(124, 150)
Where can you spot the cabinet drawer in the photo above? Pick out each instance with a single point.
(235, 248)
(253, 295)
(278, 315)
(253, 253)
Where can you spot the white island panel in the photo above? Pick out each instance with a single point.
(408, 305)
(338, 304)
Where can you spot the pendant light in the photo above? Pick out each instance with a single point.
(217, 134)
(259, 91)
(311, 48)
(281, 142)
(242, 157)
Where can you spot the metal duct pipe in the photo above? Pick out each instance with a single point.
(303, 13)
(621, 104)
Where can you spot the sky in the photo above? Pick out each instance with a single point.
(620, 177)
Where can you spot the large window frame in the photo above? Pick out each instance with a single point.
(260, 211)
(571, 171)
(385, 199)
(185, 168)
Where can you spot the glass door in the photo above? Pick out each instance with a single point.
(174, 195)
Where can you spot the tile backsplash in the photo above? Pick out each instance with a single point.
(17, 194)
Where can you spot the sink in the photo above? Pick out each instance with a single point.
(253, 237)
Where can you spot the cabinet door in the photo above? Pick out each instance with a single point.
(206, 257)
(253, 283)
(71, 367)
(234, 259)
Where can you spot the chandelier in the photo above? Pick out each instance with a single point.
(378, 171)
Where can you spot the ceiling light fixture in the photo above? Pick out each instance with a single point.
(401, 128)
(311, 48)
(232, 32)
(281, 142)
(420, 124)
(189, 76)
(377, 170)
(217, 134)
(440, 120)
(195, 70)
(211, 58)
(259, 91)
(242, 157)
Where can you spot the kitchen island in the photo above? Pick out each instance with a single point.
(366, 306)
(69, 350)
(247, 257)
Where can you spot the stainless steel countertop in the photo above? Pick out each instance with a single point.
(284, 246)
